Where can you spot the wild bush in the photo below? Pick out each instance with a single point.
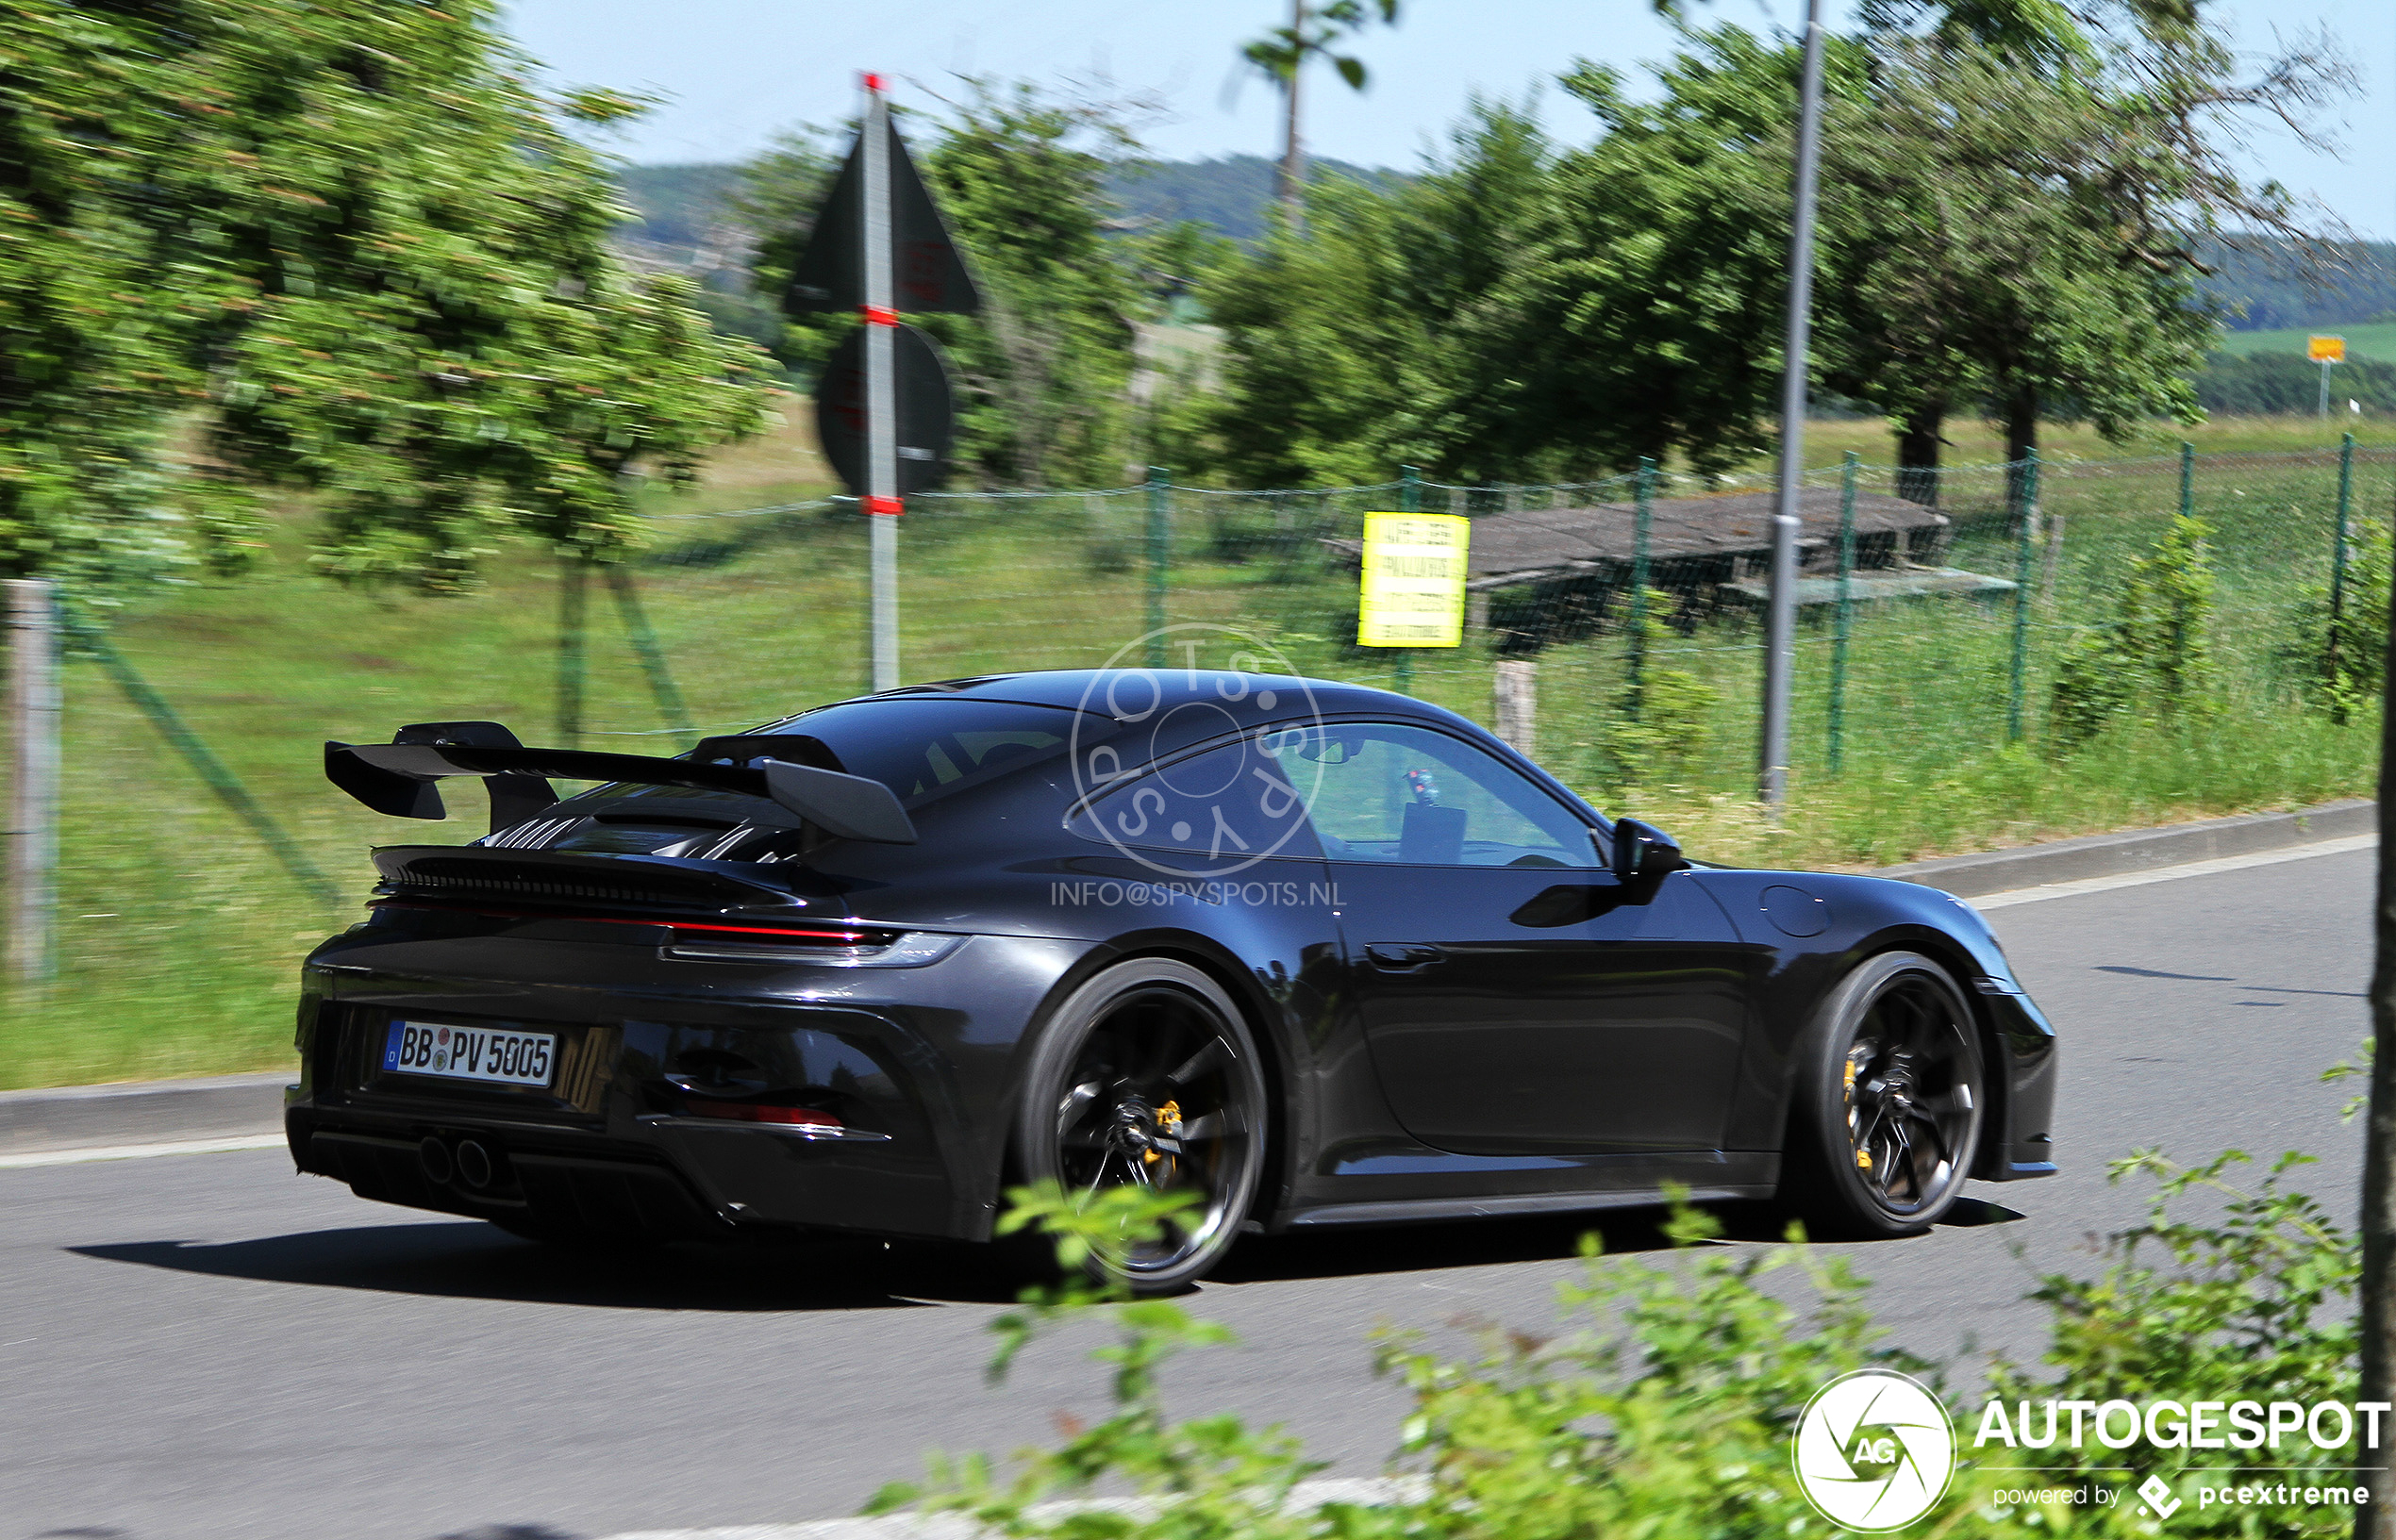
(2341, 657)
(1666, 1407)
(2156, 655)
(1663, 721)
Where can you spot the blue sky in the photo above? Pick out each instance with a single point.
(733, 71)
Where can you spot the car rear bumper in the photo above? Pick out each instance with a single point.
(915, 1062)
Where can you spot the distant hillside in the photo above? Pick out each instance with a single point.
(2274, 301)
(679, 204)
(1229, 193)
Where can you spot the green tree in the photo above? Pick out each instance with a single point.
(778, 193)
(1021, 175)
(2022, 193)
(348, 249)
(1282, 54)
(1645, 319)
(1376, 335)
(1324, 354)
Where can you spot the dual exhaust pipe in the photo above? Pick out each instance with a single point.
(471, 1164)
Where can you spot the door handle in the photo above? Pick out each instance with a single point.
(1391, 958)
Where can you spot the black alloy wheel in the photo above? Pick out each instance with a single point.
(1147, 1077)
(1890, 1101)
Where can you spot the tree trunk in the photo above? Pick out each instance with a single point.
(1293, 154)
(2377, 1519)
(1917, 441)
(2021, 439)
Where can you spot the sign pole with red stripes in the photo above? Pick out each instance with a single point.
(882, 505)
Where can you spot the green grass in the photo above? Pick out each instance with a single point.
(181, 937)
(2368, 339)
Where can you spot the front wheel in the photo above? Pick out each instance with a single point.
(1888, 1101)
(1146, 1077)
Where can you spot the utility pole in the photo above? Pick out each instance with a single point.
(33, 628)
(1293, 154)
(2378, 1287)
(882, 505)
(1780, 625)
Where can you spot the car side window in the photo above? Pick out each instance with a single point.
(1397, 793)
(1233, 801)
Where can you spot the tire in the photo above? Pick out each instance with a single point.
(1886, 1104)
(1147, 1075)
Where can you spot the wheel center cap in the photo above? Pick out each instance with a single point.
(1136, 1122)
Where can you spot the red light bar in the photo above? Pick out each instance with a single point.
(760, 1112)
(827, 936)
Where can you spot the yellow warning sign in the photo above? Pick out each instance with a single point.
(1413, 580)
(2326, 349)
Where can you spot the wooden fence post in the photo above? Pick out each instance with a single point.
(1517, 704)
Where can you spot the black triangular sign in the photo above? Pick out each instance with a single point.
(931, 275)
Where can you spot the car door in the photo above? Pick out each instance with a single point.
(1516, 998)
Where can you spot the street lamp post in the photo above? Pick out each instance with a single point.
(1780, 625)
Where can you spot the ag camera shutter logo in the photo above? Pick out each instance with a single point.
(1873, 1451)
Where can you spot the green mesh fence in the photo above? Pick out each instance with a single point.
(735, 618)
(1955, 607)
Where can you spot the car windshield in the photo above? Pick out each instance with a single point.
(924, 747)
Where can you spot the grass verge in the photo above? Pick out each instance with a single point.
(180, 937)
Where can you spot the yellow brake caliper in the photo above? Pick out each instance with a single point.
(1863, 1156)
(1168, 1119)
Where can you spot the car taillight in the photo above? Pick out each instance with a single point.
(683, 931)
(763, 1112)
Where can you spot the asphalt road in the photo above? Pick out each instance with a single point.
(205, 1346)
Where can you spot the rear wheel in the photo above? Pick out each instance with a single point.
(1147, 1077)
(1889, 1101)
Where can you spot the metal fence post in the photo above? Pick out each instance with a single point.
(1409, 501)
(652, 656)
(2188, 479)
(1642, 522)
(2332, 664)
(1846, 610)
(574, 572)
(33, 801)
(2026, 521)
(1160, 551)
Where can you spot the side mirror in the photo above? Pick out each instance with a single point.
(1644, 854)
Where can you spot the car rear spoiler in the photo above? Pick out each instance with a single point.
(398, 778)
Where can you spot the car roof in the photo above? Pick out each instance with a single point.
(1124, 695)
(1087, 689)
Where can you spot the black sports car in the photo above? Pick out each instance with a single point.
(1323, 953)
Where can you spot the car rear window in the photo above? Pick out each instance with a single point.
(922, 747)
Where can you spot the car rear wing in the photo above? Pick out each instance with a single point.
(399, 778)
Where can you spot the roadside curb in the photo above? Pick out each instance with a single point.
(142, 1112)
(1307, 1496)
(215, 1112)
(2137, 850)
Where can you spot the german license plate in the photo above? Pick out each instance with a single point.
(480, 1053)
